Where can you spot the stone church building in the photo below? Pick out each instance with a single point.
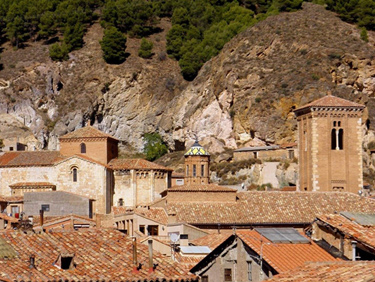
(86, 165)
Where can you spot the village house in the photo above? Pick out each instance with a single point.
(348, 235)
(84, 255)
(86, 165)
(272, 152)
(348, 271)
(255, 255)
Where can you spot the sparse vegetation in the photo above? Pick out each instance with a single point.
(363, 34)
(224, 168)
(145, 50)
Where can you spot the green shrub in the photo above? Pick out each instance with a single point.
(145, 50)
(59, 52)
(154, 146)
(363, 34)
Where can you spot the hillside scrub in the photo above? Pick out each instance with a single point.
(224, 168)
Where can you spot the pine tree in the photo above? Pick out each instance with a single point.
(113, 46)
(145, 50)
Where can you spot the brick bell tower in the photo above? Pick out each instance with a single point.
(330, 145)
(197, 165)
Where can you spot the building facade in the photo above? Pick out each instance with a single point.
(330, 145)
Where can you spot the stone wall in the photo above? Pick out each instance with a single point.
(265, 155)
(91, 181)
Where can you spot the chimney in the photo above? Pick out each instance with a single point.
(41, 212)
(32, 261)
(150, 257)
(135, 261)
(354, 250)
(184, 240)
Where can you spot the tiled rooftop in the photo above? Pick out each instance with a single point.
(11, 199)
(212, 240)
(153, 213)
(332, 101)
(340, 271)
(35, 158)
(99, 255)
(270, 207)
(201, 188)
(127, 164)
(364, 234)
(281, 256)
(77, 219)
(8, 218)
(86, 132)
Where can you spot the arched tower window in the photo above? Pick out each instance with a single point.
(337, 136)
(341, 139)
(83, 148)
(333, 139)
(75, 174)
(187, 170)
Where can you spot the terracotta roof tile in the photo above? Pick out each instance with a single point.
(332, 101)
(126, 164)
(99, 255)
(8, 218)
(212, 240)
(340, 271)
(153, 213)
(255, 207)
(363, 234)
(281, 256)
(11, 199)
(201, 188)
(56, 219)
(86, 132)
(35, 158)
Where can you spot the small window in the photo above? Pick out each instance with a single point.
(66, 262)
(10, 148)
(334, 123)
(194, 170)
(121, 202)
(179, 182)
(249, 271)
(142, 229)
(45, 207)
(75, 174)
(153, 230)
(204, 278)
(339, 123)
(227, 274)
(255, 155)
(202, 170)
(187, 170)
(291, 154)
(83, 148)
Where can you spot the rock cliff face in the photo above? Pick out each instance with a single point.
(244, 96)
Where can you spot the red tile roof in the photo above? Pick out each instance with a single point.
(340, 271)
(201, 188)
(281, 256)
(36, 158)
(257, 207)
(99, 255)
(153, 213)
(11, 199)
(127, 164)
(77, 219)
(363, 234)
(332, 102)
(86, 132)
(212, 240)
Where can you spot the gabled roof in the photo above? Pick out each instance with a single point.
(127, 164)
(86, 132)
(99, 255)
(34, 158)
(77, 219)
(201, 188)
(339, 271)
(156, 214)
(281, 256)
(212, 240)
(351, 229)
(330, 101)
(11, 199)
(270, 207)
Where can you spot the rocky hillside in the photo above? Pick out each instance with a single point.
(244, 96)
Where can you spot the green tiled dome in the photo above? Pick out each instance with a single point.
(197, 150)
